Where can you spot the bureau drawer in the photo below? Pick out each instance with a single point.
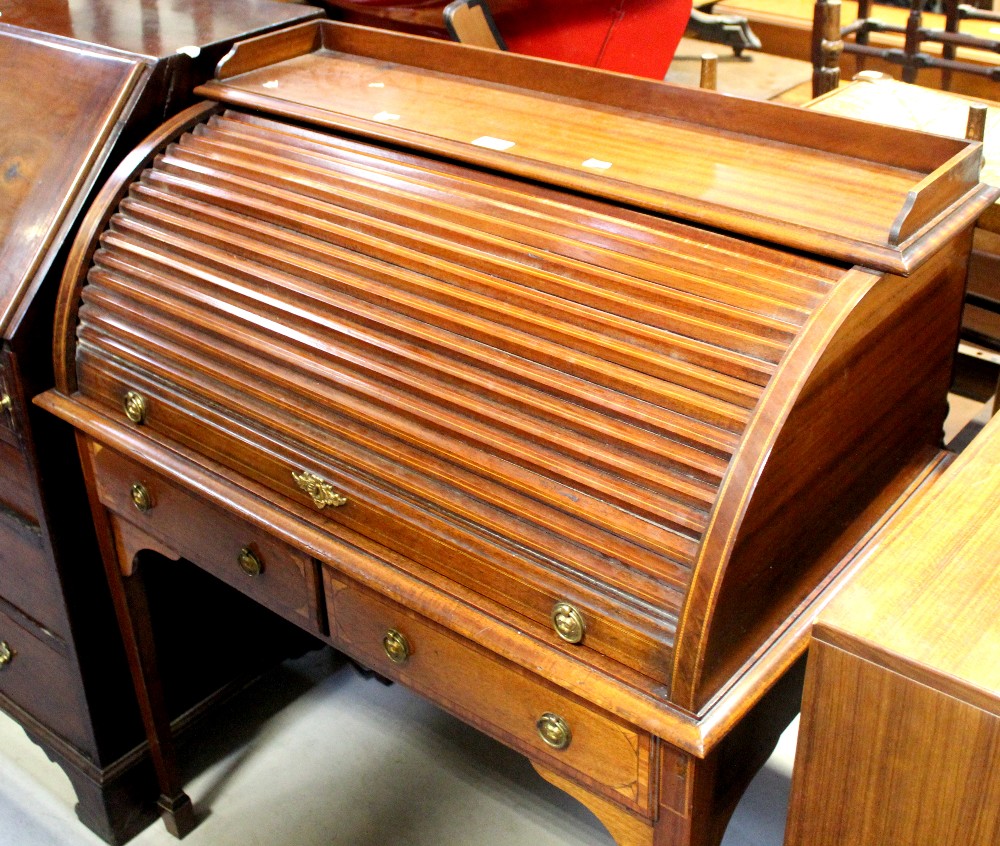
(495, 695)
(28, 578)
(17, 482)
(43, 682)
(245, 557)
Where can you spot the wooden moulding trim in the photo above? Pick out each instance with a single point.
(963, 213)
(947, 185)
(774, 121)
(295, 525)
(742, 476)
(270, 48)
(85, 244)
(132, 86)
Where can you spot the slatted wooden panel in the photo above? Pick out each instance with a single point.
(555, 384)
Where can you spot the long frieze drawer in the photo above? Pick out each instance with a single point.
(28, 580)
(245, 557)
(398, 515)
(498, 697)
(17, 487)
(42, 681)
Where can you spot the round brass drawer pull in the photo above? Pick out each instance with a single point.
(396, 646)
(135, 407)
(568, 622)
(249, 562)
(6, 655)
(6, 403)
(554, 730)
(141, 497)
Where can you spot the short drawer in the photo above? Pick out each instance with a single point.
(491, 693)
(28, 577)
(43, 682)
(240, 554)
(17, 482)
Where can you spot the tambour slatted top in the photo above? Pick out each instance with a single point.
(573, 378)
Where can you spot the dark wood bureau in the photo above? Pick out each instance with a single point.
(555, 395)
(82, 85)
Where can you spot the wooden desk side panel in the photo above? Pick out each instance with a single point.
(885, 761)
(870, 412)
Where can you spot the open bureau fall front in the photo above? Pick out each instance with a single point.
(555, 395)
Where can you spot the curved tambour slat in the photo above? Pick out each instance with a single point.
(562, 381)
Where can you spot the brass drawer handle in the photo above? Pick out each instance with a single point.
(396, 646)
(568, 622)
(319, 489)
(7, 404)
(135, 407)
(6, 655)
(141, 497)
(554, 730)
(249, 562)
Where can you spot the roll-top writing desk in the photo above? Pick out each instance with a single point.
(555, 395)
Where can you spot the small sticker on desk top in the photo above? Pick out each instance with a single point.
(376, 85)
(385, 116)
(491, 143)
(272, 84)
(597, 164)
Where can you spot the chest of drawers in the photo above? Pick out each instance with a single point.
(555, 395)
(81, 86)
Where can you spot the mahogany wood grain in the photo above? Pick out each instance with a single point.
(902, 688)
(388, 89)
(525, 391)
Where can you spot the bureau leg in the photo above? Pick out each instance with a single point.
(133, 616)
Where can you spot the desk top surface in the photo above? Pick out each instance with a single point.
(150, 28)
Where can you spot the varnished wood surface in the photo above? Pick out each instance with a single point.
(524, 394)
(59, 111)
(929, 607)
(766, 176)
(150, 28)
(901, 718)
(881, 99)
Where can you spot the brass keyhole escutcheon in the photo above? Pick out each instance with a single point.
(554, 730)
(135, 407)
(141, 498)
(6, 655)
(396, 646)
(568, 622)
(249, 562)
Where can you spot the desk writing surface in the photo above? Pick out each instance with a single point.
(59, 107)
(928, 596)
(151, 28)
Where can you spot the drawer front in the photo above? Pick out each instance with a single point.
(17, 483)
(498, 697)
(403, 521)
(43, 682)
(28, 578)
(245, 557)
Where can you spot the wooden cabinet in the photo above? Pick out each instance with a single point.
(901, 714)
(577, 389)
(81, 87)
